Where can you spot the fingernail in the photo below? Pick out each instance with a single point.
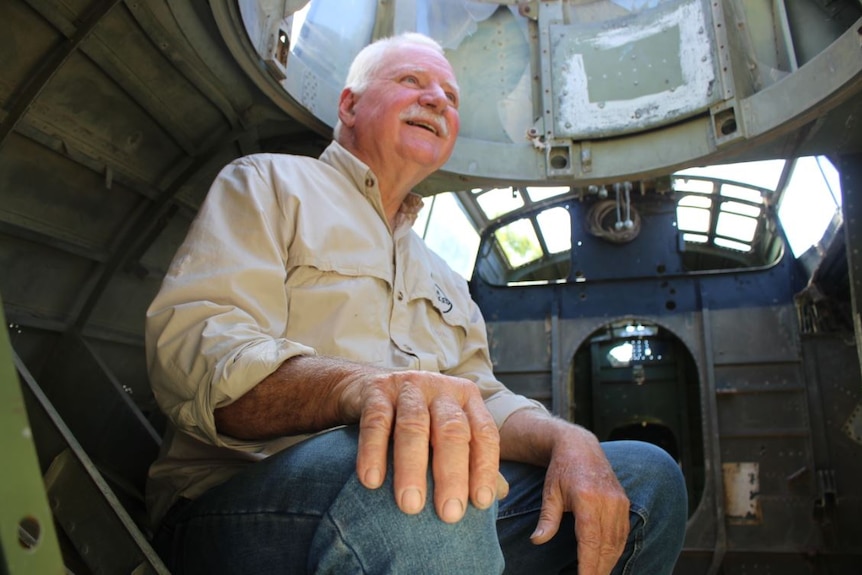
(373, 478)
(452, 511)
(485, 497)
(411, 501)
(537, 533)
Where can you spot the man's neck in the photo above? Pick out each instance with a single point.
(394, 182)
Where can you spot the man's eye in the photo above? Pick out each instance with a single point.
(410, 80)
(452, 98)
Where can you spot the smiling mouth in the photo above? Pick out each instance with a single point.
(423, 125)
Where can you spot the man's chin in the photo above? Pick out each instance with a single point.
(432, 157)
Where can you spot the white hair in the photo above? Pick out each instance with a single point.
(369, 60)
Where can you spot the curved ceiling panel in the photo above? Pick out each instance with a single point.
(588, 90)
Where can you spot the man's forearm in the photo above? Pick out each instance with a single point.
(530, 436)
(301, 396)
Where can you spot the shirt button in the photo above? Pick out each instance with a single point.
(369, 182)
(400, 296)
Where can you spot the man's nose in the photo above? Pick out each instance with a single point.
(434, 96)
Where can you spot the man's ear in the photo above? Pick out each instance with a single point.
(346, 107)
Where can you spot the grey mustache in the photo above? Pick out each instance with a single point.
(418, 114)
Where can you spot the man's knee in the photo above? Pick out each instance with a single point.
(659, 505)
(652, 479)
(365, 530)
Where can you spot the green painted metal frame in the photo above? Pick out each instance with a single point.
(27, 532)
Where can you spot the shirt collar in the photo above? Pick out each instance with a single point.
(365, 181)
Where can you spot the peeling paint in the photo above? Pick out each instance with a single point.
(742, 493)
(685, 76)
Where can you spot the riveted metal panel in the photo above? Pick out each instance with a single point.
(644, 72)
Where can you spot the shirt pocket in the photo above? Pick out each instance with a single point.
(338, 309)
(445, 323)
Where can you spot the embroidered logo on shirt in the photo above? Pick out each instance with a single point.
(444, 301)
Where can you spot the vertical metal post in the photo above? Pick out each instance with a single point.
(28, 539)
(850, 167)
(713, 443)
(779, 9)
(559, 398)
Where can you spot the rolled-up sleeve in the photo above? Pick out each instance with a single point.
(215, 328)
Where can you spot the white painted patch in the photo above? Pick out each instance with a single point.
(742, 492)
(577, 115)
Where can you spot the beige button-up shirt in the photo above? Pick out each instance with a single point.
(289, 256)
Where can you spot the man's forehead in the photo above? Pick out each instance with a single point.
(440, 67)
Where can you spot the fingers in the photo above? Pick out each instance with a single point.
(601, 534)
(485, 475)
(419, 412)
(550, 515)
(375, 426)
(450, 439)
(466, 447)
(502, 487)
(601, 528)
(411, 448)
(601, 522)
(580, 480)
(464, 441)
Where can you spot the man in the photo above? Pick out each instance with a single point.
(302, 303)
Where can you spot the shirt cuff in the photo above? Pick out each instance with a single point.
(504, 403)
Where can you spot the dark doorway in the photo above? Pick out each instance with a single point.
(637, 380)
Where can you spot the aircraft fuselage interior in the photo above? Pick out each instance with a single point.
(654, 203)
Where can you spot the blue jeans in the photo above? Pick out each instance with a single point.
(304, 511)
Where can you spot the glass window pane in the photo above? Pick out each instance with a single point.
(738, 246)
(500, 201)
(831, 177)
(696, 202)
(519, 242)
(692, 219)
(695, 238)
(449, 232)
(621, 355)
(736, 226)
(740, 193)
(807, 205)
(297, 21)
(697, 186)
(739, 208)
(556, 226)
(537, 194)
(763, 174)
(323, 25)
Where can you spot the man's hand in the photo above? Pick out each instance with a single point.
(580, 480)
(422, 412)
(419, 412)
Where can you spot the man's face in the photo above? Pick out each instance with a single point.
(409, 111)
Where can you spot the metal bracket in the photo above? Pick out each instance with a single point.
(727, 122)
(827, 494)
(586, 157)
(277, 50)
(529, 9)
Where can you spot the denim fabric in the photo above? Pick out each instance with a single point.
(659, 509)
(304, 511)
